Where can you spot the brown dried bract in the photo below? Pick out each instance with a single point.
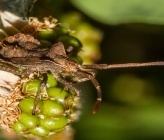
(35, 25)
(9, 108)
(9, 104)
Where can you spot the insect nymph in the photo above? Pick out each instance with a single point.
(23, 51)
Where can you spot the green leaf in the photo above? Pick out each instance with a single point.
(123, 11)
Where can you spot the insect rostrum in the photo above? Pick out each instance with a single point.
(25, 52)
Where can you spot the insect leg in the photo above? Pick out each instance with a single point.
(96, 84)
(68, 85)
(42, 85)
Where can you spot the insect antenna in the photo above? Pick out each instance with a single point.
(126, 65)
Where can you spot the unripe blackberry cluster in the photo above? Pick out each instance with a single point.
(54, 110)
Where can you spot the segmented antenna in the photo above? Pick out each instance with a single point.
(126, 65)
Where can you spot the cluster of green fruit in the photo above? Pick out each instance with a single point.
(59, 33)
(53, 110)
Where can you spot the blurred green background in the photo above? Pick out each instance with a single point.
(127, 31)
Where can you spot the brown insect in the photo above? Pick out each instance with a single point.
(25, 52)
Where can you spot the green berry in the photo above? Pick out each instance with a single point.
(52, 108)
(70, 102)
(19, 127)
(60, 30)
(70, 41)
(26, 105)
(29, 121)
(39, 131)
(59, 130)
(58, 94)
(51, 81)
(72, 92)
(47, 34)
(45, 43)
(76, 58)
(32, 86)
(54, 123)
